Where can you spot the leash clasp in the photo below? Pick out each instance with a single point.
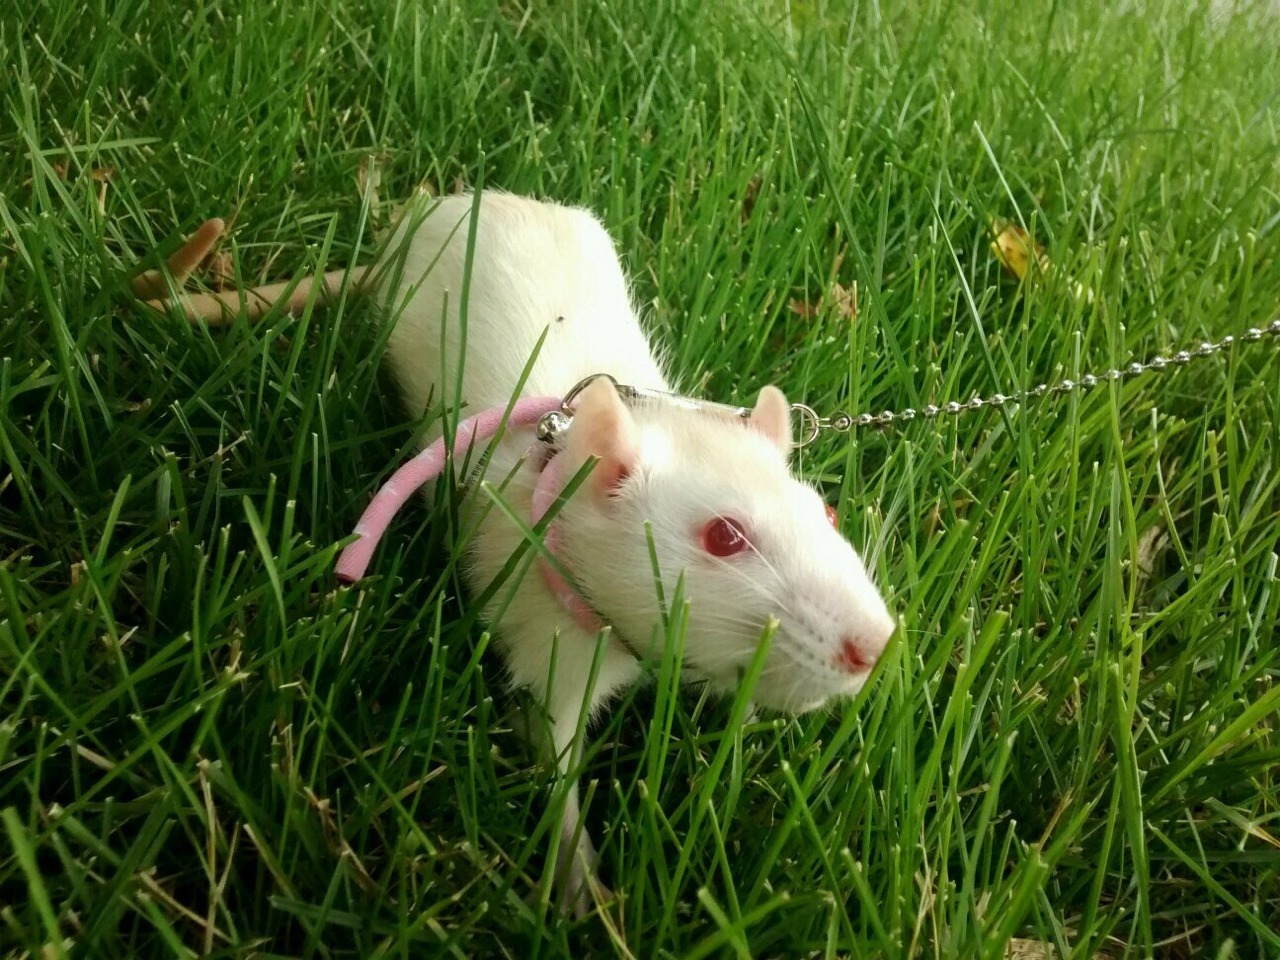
(551, 425)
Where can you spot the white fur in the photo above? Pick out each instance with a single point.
(534, 263)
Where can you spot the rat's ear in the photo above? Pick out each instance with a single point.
(602, 427)
(772, 417)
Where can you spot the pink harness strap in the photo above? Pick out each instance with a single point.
(430, 463)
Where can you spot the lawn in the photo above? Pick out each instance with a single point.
(208, 747)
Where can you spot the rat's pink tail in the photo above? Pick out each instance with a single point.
(428, 465)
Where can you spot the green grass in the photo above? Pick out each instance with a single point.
(205, 746)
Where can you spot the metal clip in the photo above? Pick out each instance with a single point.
(551, 425)
(810, 425)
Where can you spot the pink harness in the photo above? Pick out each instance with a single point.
(430, 463)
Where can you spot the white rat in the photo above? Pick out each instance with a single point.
(754, 544)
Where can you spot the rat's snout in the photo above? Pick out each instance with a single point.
(853, 657)
(858, 652)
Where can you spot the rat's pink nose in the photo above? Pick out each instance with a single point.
(852, 657)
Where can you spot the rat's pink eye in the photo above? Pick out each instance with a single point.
(832, 517)
(723, 537)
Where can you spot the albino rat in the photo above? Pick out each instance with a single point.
(754, 544)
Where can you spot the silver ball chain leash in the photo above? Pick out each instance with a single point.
(840, 422)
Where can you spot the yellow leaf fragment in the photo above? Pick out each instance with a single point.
(1015, 250)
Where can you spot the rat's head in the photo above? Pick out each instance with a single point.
(752, 542)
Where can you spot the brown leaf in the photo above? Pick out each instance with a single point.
(847, 300)
(807, 310)
(1150, 545)
(1022, 949)
(933, 519)
(749, 198)
(369, 175)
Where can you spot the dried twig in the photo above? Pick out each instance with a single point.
(221, 307)
(151, 283)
